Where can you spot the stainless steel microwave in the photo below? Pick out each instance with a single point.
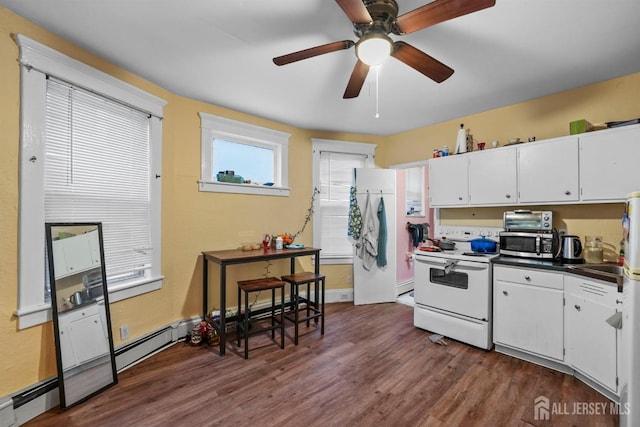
(524, 244)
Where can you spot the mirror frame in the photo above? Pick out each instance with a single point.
(69, 398)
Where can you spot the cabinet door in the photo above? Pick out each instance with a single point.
(590, 341)
(529, 318)
(548, 171)
(448, 181)
(76, 254)
(609, 164)
(82, 333)
(493, 177)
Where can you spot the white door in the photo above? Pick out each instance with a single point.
(377, 284)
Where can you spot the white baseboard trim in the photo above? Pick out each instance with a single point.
(7, 416)
(404, 287)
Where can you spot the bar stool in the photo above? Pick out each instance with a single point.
(314, 309)
(245, 323)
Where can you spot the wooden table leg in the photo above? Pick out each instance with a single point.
(223, 308)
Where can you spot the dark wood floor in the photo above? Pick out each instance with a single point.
(372, 367)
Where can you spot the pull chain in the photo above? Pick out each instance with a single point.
(377, 92)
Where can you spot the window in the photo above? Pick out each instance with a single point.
(414, 191)
(93, 154)
(241, 158)
(333, 164)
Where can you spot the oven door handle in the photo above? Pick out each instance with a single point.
(449, 265)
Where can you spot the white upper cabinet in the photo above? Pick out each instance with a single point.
(594, 167)
(76, 254)
(449, 181)
(493, 177)
(548, 171)
(609, 164)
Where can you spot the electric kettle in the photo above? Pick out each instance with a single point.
(571, 249)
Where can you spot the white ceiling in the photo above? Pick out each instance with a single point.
(220, 52)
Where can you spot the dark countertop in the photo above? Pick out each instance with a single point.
(550, 265)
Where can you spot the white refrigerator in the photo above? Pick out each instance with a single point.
(630, 346)
(376, 284)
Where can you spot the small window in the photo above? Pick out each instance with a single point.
(414, 191)
(235, 161)
(241, 158)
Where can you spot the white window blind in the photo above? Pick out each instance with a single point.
(97, 169)
(336, 178)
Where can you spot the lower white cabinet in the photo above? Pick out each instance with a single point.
(82, 335)
(591, 342)
(529, 311)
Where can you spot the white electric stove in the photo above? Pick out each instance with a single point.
(452, 289)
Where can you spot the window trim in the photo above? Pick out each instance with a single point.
(37, 61)
(335, 146)
(235, 131)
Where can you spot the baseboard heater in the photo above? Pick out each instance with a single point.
(31, 402)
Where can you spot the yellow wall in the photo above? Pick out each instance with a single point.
(193, 222)
(546, 117)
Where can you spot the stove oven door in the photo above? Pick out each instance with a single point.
(456, 286)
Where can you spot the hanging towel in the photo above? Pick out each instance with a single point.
(369, 238)
(381, 259)
(354, 227)
(417, 233)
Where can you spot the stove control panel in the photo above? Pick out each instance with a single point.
(463, 233)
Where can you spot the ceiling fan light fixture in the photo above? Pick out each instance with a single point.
(374, 48)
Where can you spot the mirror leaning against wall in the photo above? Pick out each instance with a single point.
(80, 306)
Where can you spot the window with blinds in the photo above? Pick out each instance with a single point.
(97, 169)
(333, 164)
(336, 178)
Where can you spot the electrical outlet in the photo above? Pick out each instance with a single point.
(349, 279)
(344, 296)
(230, 327)
(124, 332)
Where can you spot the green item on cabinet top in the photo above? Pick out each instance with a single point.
(579, 126)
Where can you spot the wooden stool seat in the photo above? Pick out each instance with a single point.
(244, 328)
(314, 309)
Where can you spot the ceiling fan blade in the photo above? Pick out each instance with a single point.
(356, 81)
(439, 11)
(355, 11)
(422, 62)
(313, 51)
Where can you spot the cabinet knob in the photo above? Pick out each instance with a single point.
(618, 301)
(505, 293)
(567, 193)
(508, 196)
(459, 197)
(577, 307)
(527, 278)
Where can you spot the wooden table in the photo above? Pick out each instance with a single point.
(238, 256)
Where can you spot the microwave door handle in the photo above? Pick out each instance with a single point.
(538, 245)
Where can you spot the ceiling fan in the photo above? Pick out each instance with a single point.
(373, 20)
